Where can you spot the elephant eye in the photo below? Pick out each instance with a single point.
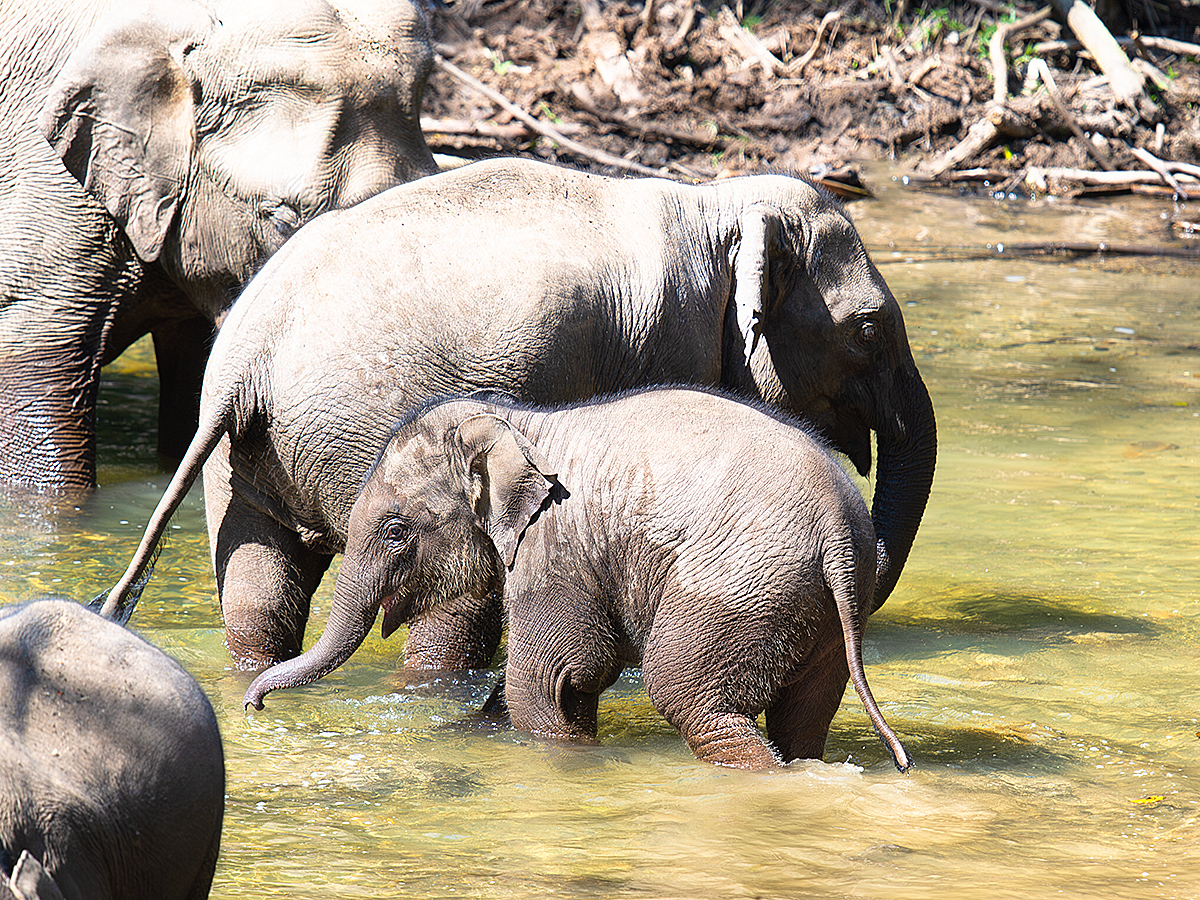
(867, 333)
(397, 534)
(284, 216)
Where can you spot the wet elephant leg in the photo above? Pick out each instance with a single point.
(722, 736)
(464, 634)
(798, 719)
(701, 688)
(265, 575)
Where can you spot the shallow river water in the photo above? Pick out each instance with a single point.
(1037, 657)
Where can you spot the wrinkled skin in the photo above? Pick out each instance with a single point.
(551, 285)
(151, 160)
(717, 547)
(112, 776)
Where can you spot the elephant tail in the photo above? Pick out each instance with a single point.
(840, 571)
(118, 603)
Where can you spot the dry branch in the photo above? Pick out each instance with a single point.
(600, 156)
(796, 66)
(748, 46)
(1042, 71)
(1128, 85)
(1165, 173)
(996, 50)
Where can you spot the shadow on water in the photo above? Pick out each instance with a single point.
(991, 612)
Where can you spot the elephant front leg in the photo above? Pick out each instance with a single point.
(462, 634)
(48, 419)
(265, 575)
(561, 657)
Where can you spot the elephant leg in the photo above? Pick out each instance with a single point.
(722, 736)
(48, 419)
(707, 691)
(463, 634)
(799, 717)
(181, 352)
(266, 576)
(560, 659)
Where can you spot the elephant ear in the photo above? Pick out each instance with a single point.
(759, 226)
(31, 881)
(507, 479)
(120, 115)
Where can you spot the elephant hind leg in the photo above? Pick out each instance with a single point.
(730, 739)
(716, 730)
(799, 717)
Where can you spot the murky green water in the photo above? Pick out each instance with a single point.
(1038, 656)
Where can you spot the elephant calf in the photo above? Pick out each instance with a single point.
(715, 544)
(112, 775)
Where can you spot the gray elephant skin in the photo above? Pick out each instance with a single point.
(151, 159)
(112, 775)
(551, 285)
(721, 549)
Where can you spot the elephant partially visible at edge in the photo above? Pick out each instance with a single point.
(719, 548)
(152, 157)
(112, 773)
(551, 285)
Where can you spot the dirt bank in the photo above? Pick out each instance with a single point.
(702, 91)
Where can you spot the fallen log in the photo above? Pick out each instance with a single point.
(1127, 84)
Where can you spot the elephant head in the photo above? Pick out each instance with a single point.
(814, 327)
(439, 517)
(211, 132)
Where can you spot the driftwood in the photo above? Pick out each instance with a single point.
(511, 131)
(600, 156)
(1045, 178)
(640, 128)
(898, 256)
(1127, 84)
(996, 51)
(1039, 68)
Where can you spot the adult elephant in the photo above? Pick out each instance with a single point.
(151, 159)
(552, 285)
(112, 775)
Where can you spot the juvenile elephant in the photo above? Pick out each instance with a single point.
(112, 776)
(551, 285)
(720, 548)
(151, 159)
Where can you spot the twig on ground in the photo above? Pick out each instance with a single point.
(681, 33)
(747, 44)
(1041, 177)
(1039, 67)
(996, 50)
(513, 131)
(796, 66)
(898, 256)
(600, 156)
(1160, 167)
(640, 128)
(996, 123)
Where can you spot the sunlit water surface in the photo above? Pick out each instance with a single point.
(1039, 656)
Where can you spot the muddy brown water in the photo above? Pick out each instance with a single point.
(1039, 656)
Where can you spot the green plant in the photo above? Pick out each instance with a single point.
(500, 65)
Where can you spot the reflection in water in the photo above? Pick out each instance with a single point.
(1036, 657)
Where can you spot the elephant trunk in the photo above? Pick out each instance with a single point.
(903, 477)
(350, 620)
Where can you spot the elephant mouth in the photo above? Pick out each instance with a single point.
(393, 615)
